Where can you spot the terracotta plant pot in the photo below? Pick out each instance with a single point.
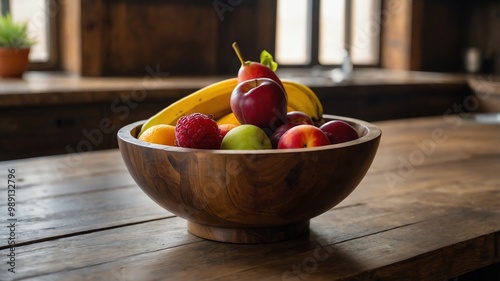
(13, 61)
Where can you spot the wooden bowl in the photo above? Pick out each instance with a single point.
(249, 196)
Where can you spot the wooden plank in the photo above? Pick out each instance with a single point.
(408, 253)
(382, 238)
(91, 37)
(54, 169)
(457, 178)
(101, 247)
(446, 139)
(71, 60)
(417, 19)
(154, 33)
(97, 183)
(97, 193)
(58, 216)
(437, 52)
(396, 35)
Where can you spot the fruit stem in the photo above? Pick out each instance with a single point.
(238, 53)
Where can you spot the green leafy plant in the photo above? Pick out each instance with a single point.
(14, 35)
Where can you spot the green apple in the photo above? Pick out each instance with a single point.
(246, 137)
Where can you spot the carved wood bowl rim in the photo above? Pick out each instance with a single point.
(366, 130)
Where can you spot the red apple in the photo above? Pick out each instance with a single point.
(339, 131)
(302, 136)
(293, 118)
(299, 117)
(224, 128)
(275, 138)
(260, 102)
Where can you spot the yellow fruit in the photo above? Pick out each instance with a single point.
(228, 119)
(289, 109)
(159, 134)
(302, 98)
(212, 99)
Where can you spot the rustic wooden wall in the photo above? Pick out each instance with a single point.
(430, 35)
(482, 26)
(194, 37)
(123, 37)
(396, 36)
(69, 37)
(423, 35)
(442, 35)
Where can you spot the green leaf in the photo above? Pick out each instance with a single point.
(14, 35)
(267, 59)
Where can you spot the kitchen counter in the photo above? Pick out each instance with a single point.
(39, 88)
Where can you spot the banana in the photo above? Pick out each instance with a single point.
(212, 99)
(302, 98)
(229, 118)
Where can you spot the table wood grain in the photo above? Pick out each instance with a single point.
(428, 209)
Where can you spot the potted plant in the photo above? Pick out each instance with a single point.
(15, 46)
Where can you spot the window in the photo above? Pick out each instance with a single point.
(40, 15)
(316, 32)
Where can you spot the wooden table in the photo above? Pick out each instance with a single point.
(428, 209)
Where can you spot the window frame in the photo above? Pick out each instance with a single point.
(54, 10)
(313, 23)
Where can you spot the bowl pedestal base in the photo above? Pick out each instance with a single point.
(249, 234)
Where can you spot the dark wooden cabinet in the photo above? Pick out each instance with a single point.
(59, 129)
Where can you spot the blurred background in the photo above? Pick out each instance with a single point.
(370, 59)
(188, 37)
